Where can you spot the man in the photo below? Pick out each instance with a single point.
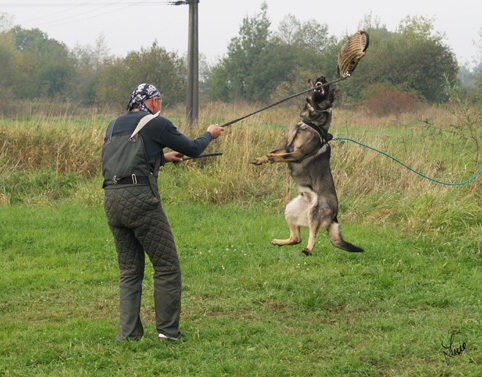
(130, 164)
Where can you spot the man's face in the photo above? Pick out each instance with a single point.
(154, 104)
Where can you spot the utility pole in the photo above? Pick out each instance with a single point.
(192, 93)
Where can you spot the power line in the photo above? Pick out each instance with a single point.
(72, 14)
(36, 5)
(88, 15)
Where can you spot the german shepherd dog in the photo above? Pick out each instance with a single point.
(307, 152)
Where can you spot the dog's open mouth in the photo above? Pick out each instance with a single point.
(320, 91)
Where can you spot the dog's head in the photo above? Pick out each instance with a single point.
(317, 109)
(322, 95)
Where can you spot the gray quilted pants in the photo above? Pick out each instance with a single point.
(140, 227)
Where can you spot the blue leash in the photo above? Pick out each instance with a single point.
(408, 167)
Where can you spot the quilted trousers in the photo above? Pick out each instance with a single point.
(140, 227)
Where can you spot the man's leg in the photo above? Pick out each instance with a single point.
(158, 243)
(131, 260)
(167, 299)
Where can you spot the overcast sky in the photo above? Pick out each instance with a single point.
(128, 25)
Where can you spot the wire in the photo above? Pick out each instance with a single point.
(73, 16)
(84, 4)
(408, 167)
(104, 8)
(88, 16)
(37, 18)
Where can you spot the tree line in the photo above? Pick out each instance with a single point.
(261, 65)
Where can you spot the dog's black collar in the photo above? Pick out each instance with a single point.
(325, 136)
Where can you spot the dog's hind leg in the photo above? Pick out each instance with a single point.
(295, 237)
(295, 216)
(319, 218)
(338, 241)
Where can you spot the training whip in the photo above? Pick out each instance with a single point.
(350, 54)
(283, 100)
(203, 156)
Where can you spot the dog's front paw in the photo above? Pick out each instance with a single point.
(260, 160)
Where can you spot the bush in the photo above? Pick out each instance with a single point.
(383, 101)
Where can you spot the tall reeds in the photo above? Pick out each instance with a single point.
(370, 186)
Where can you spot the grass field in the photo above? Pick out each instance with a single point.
(250, 308)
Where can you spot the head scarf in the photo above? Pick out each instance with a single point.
(140, 94)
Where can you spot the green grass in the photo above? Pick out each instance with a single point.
(249, 308)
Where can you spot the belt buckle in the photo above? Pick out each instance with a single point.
(134, 179)
(115, 180)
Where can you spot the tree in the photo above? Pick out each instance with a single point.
(292, 66)
(288, 28)
(431, 61)
(6, 22)
(89, 62)
(316, 52)
(276, 66)
(261, 65)
(45, 67)
(477, 71)
(233, 77)
(8, 69)
(155, 65)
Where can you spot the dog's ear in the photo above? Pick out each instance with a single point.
(311, 84)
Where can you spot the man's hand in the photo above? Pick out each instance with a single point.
(215, 130)
(175, 157)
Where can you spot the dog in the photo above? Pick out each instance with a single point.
(307, 152)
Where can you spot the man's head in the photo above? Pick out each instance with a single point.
(145, 97)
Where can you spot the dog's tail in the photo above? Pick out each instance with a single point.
(338, 241)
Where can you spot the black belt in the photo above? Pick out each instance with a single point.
(128, 180)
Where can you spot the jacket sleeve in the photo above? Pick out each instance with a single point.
(172, 138)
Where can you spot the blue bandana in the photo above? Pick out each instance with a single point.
(140, 94)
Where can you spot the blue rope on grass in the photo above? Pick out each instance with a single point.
(408, 167)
